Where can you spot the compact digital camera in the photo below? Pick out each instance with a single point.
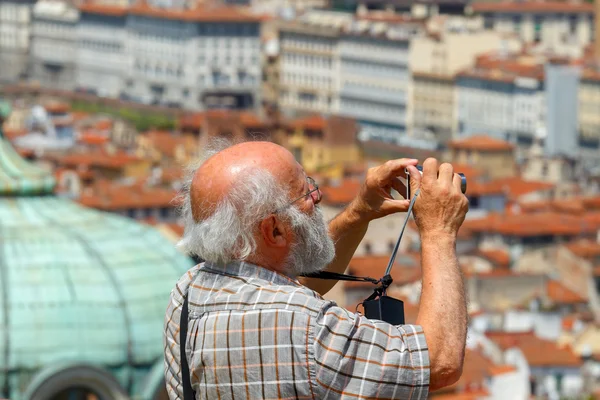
(463, 181)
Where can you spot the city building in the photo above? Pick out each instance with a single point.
(54, 44)
(15, 38)
(374, 78)
(336, 63)
(520, 98)
(324, 145)
(494, 158)
(589, 104)
(200, 58)
(279, 7)
(451, 45)
(309, 63)
(94, 286)
(101, 49)
(563, 27)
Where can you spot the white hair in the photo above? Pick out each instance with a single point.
(228, 234)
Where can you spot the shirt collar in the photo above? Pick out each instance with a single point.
(248, 270)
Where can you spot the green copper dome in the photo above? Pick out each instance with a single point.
(82, 293)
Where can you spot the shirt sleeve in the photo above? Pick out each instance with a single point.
(364, 358)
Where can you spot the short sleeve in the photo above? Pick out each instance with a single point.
(364, 358)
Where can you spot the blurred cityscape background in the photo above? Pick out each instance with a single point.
(104, 102)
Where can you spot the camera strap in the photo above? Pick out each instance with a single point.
(188, 392)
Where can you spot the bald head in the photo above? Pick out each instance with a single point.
(214, 179)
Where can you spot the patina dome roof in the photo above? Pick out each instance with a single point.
(76, 285)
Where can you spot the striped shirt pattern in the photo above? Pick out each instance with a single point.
(256, 334)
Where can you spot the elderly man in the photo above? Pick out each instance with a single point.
(254, 331)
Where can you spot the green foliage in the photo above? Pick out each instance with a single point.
(142, 120)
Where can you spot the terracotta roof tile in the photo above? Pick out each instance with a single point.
(93, 139)
(501, 369)
(537, 224)
(500, 258)
(534, 7)
(102, 9)
(313, 122)
(584, 248)
(109, 196)
(57, 107)
(481, 143)
(341, 194)
(560, 294)
(538, 352)
(513, 187)
(596, 271)
(375, 266)
(96, 159)
(205, 13)
(591, 202)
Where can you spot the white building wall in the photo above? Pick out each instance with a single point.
(15, 25)
(101, 57)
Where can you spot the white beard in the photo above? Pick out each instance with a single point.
(313, 249)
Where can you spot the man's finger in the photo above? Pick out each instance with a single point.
(394, 168)
(430, 170)
(445, 174)
(415, 179)
(399, 186)
(394, 206)
(457, 182)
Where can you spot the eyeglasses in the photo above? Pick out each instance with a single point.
(312, 188)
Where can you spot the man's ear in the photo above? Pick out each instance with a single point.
(274, 232)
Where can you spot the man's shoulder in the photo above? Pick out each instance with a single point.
(210, 292)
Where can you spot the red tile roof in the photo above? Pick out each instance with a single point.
(538, 352)
(375, 266)
(537, 224)
(93, 139)
(534, 7)
(57, 107)
(560, 294)
(481, 143)
(500, 258)
(313, 123)
(96, 159)
(216, 13)
(512, 187)
(103, 9)
(495, 370)
(341, 194)
(196, 120)
(585, 248)
(109, 196)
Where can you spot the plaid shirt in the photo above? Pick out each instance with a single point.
(256, 334)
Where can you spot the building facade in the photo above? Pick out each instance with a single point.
(309, 64)
(335, 63)
(562, 26)
(54, 44)
(433, 106)
(589, 104)
(502, 97)
(374, 79)
(451, 46)
(191, 58)
(101, 49)
(15, 33)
